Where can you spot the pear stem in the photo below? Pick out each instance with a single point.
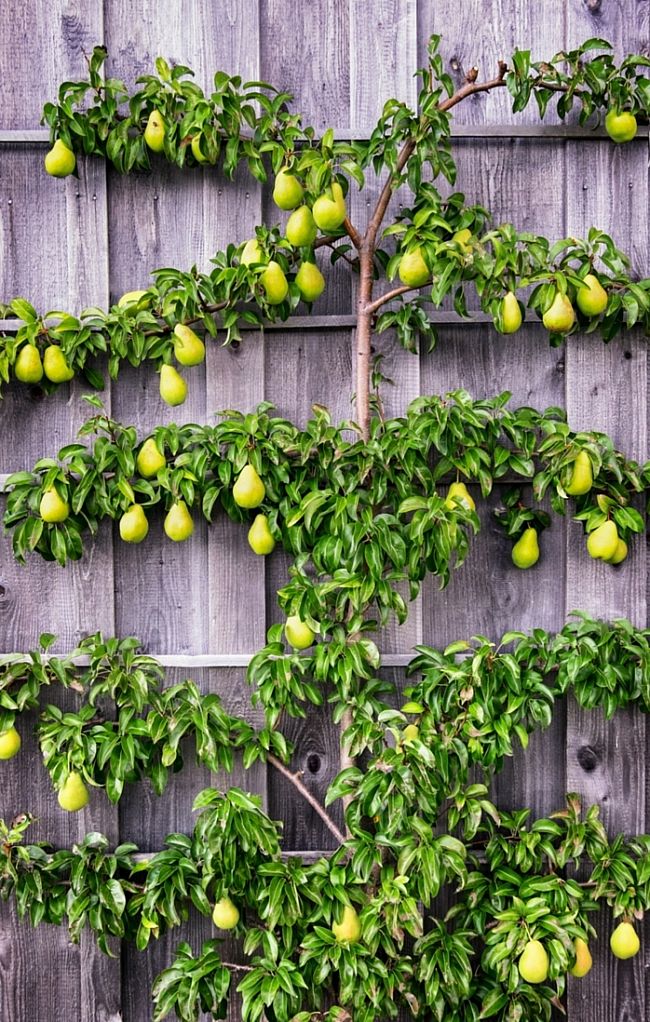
(307, 795)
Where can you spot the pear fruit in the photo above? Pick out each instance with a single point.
(55, 366)
(458, 494)
(189, 349)
(584, 961)
(134, 525)
(591, 298)
(602, 543)
(287, 191)
(462, 238)
(260, 538)
(73, 795)
(533, 963)
(582, 477)
(173, 388)
(252, 253)
(310, 281)
(178, 523)
(511, 317)
(149, 460)
(329, 210)
(154, 133)
(130, 298)
(28, 367)
(225, 914)
(525, 552)
(52, 507)
(249, 490)
(620, 127)
(561, 316)
(410, 733)
(301, 228)
(9, 743)
(274, 283)
(624, 941)
(349, 929)
(197, 151)
(60, 161)
(413, 271)
(619, 554)
(298, 634)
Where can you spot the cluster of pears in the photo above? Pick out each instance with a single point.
(189, 350)
(533, 963)
(178, 524)
(560, 317)
(249, 492)
(31, 368)
(603, 542)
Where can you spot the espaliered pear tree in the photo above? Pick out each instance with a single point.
(345, 937)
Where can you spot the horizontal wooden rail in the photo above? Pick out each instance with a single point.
(198, 660)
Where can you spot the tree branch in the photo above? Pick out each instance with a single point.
(389, 295)
(307, 795)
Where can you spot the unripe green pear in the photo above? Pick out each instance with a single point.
(28, 367)
(189, 349)
(260, 538)
(582, 477)
(348, 930)
(584, 961)
(60, 161)
(525, 552)
(130, 298)
(413, 271)
(150, 460)
(225, 914)
(591, 298)
(173, 388)
(298, 634)
(624, 941)
(602, 543)
(9, 743)
(329, 210)
(301, 228)
(533, 963)
(287, 191)
(55, 366)
(249, 490)
(458, 494)
(178, 524)
(274, 283)
(154, 133)
(511, 317)
(134, 525)
(462, 238)
(52, 507)
(310, 281)
(560, 317)
(197, 151)
(620, 127)
(73, 795)
(252, 253)
(619, 554)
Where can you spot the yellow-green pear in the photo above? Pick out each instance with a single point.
(260, 538)
(55, 366)
(584, 961)
(274, 283)
(52, 507)
(73, 795)
(178, 524)
(154, 133)
(413, 271)
(173, 388)
(410, 733)
(619, 554)
(459, 494)
(197, 151)
(249, 490)
(329, 210)
(533, 963)
(620, 127)
(582, 477)
(349, 929)
(150, 460)
(511, 317)
(225, 914)
(134, 525)
(561, 316)
(525, 552)
(189, 349)
(591, 298)
(602, 543)
(287, 191)
(60, 161)
(252, 253)
(9, 743)
(301, 228)
(130, 298)
(28, 367)
(298, 634)
(462, 238)
(310, 281)
(624, 941)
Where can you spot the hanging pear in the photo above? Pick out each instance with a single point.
(249, 490)
(225, 914)
(73, 795)
(533, 963)
(260, 538)
(252, 253)
(602, 543)
(301, 228)
(297, 633)
(287, 191)
(134, 525)
(511, 317)
(584, 961)
(154, 133)
(150, 460)
(591, 298)
(52, 507)
(329, 210)
(178, 524)
(582, 478)
(458, 494)
(525, 552)
(55, 366)
(621, 127)
(560, 317)
(413, 271)
(189, 349)
(173, 388)
(348, 930)
(60, 161)
(274, 283)
(310, 281)
(28, 367)
(9, 743)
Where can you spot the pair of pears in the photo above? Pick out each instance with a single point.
(605, 544)
(591, 299)
(272, 278)
(534, 961)
(30, 368)
(249, 492)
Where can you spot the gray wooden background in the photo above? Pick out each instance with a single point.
(81, 242)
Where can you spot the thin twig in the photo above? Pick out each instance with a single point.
(307, 795)
(238, 968)
(330, 244)
(352, 233)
